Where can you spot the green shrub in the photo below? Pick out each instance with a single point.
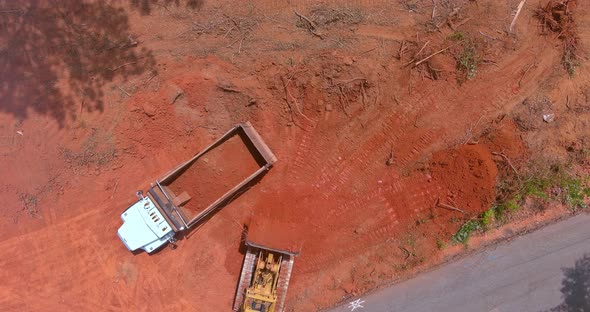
(462, 236)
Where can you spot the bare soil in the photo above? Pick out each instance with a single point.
(101, 98)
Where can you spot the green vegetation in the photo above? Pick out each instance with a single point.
(574, 191)
(555, 185)
(570, 62)
(457, 36)
(462, 236)
(440, 244)
(488, 217)
(467, 60)
(537, 187)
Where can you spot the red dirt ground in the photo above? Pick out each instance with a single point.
(101, 98)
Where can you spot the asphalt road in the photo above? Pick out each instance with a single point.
(540, 271)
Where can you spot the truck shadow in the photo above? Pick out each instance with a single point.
(575, 287)
(57, 56)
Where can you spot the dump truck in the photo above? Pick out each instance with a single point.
(161, 213)
(264, 279)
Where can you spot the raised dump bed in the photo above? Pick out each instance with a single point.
(196, 188)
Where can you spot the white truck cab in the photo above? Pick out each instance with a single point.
(144, 227)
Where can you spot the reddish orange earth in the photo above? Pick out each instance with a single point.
(98, 99)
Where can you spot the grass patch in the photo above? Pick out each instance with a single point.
(457, 36)
(467, 58)
(440, 244)
(462, 236)
(557, 185)
(467, 62)
(574, 192)
(537, 187)
(488, 217)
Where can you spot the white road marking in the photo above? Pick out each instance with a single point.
(357, 304)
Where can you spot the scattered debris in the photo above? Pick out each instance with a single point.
(548, 118)
(121, 66)
(508, 162)
(30, 202)
(252, 102)
(289, 96)
(435, 53)
(114, 189)
(406, 251)
(449, 207)
(123, 90)
(228, 88)
(487, 36)
(391, 158)
(525, 72)
(310, 25)
(557, 16)
(341, 82)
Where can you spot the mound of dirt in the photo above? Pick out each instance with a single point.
(468, 173)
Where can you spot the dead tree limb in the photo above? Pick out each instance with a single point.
(507, 161)
(449, 207)
(435, 53)
(406, 251)
(119, 67)
(416, 55)
(350, 80)
(289, 96)
(520, 5)
(311, 26)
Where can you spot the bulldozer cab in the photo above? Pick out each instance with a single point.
(261, 295)
(264, 279)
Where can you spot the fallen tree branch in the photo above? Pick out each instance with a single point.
(525, 72)
(119, 67)
(449, 207)
(435, 53)
(406, 251)
(123, 90)
(289, 96)
(312, 27)
(418, 53)
(341, 98)
(520, 5)
(508, 162)
(433, 10)
(349, 81)
(228, 88)
(487, 36)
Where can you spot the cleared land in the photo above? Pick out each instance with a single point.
(401, 130)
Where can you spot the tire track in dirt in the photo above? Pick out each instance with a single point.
(416, 196)
(366, 161)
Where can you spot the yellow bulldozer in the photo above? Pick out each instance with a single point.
(264, 279)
